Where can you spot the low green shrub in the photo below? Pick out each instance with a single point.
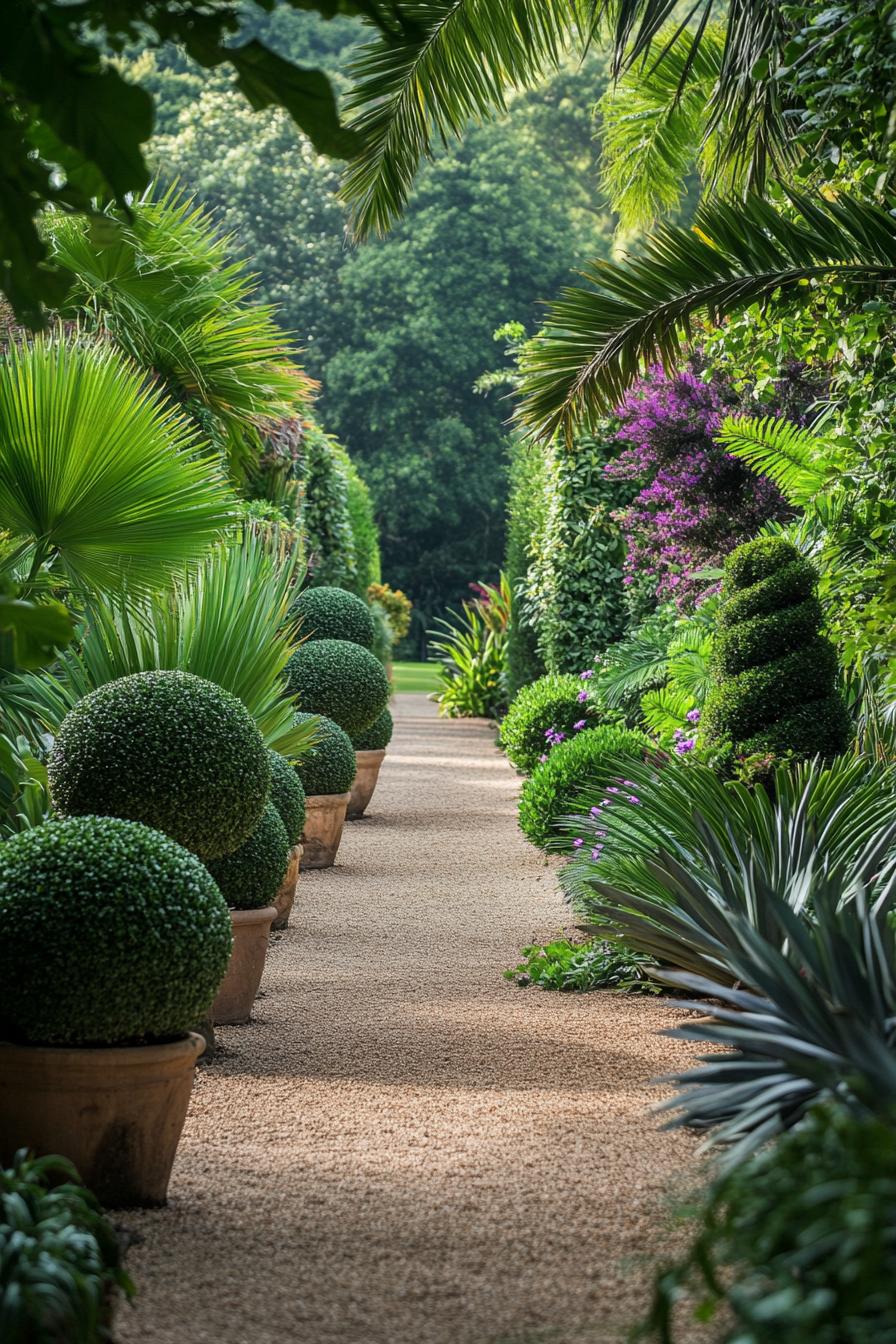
(334, 613)
(552, 705)
(572, 767)
(109, 933)
(579, 967)
(340, 680)
(288, 796)
(60, 1257)
(250, 876)
(378, 736)
(168, 749)
(329, 767)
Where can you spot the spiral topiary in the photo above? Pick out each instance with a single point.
(329, 767)
(168, 749)
(775, 674)
(338, 679)
(572, 767)
(378, 736)
(334, 613)
(553, 703)
(250, 876)
(110, 933)
(288, 796)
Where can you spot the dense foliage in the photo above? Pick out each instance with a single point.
(128, 927)
(326, 518)
(340, 679)
(287, 796)
(471, 650)
(333, 613)
(168, 749)
(526, 510)
(579, 967)
(544, 713)
(587, 761)
(249, 877)
(378, 736)
(329, 767)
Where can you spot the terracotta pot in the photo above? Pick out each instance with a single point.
(234, 1000)
(324, 819)
(368, 769)
(117, 1112)
(287, 893)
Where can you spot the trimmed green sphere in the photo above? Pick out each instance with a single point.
(378, 736)
(288, 796)
(329, 767)
(550, 704)
(333, 613)
(168, 749)
(339, 679)
(109, 933)
(586, 762)
(250, 877)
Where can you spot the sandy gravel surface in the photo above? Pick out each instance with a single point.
(402, 1148)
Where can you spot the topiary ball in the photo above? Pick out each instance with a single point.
(579, 764)
(339, 679)
(333, 613)
(110, 933)
(378, 736)
(329, 767)
(168, 749)
(250, 876)
(288, 796)
(551, 704)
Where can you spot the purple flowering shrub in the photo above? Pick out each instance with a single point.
(696, 502)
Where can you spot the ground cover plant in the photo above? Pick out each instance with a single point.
(579, 967)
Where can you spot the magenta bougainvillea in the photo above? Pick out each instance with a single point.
(696, 502)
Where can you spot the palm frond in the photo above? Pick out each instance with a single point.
(796, 459)
(453, 61)
(633, 313)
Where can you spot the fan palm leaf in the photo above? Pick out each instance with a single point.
(99, 477)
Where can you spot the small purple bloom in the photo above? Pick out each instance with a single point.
(685, 746)
(578, 843)
(595, 853)
(678, 734)
(586, 676)
(693, 716)
(542, 758)
(633, 799)
(595, 811)
(582, 697)
(582, 723)
(612, 789)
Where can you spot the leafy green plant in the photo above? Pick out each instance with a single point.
(397, 606)
(326, 518)
(339, 679)
(587, 761)
(60, 1258)
(287, 796)
(168, 749)
(471, 650)
(249, 877)
(546, 709)
(333, 613)
(129, 928)
(378, 736)
(329, 767)
(24, 794)
(774, 672)
(365, 533)
(579, 967)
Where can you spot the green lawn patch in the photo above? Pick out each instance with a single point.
(418, 677)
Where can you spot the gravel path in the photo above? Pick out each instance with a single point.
(402, 1148)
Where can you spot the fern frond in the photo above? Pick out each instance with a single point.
(793, 457)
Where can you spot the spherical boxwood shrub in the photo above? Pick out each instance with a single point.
(333, 613)
(329, 767)
(168, 749)
(288, 796)
(377, 736)
(249, 876)
(572, 767)
(339, 679)
(109, 933)
(775, 674)
(552, 703)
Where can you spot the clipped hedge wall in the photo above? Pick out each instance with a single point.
(250, 876)
(288, 796)
(326, 519)
(329, 767)
(378, 736)
(775, 674)
(168, 749)
(334, 613)
(552, 702)
(338, 679)
(572, 767)
(110, 933)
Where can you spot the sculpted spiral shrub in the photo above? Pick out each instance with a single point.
(329, 767)
(774, 671)
(249, 876)
(555, 706)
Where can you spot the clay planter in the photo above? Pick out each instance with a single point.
(116, 1112)
(287, 893)
(324, 819)
(234, 1000)
(367, 773)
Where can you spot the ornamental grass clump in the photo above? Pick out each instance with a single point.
(168, 749)
(287, 796)
(341, 680)
(110, 934)
(250, 876)
(334, 613)
(378, 736)
(545, 713)
(775, 673)
(329, 767)
(588, 761)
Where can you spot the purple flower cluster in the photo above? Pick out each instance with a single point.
(598, 815)
(696, 502)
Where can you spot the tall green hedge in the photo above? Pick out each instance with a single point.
(365, 533)
(526, 512)
(326, 518)
(775, 674)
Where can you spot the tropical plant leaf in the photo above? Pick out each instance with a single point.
(800, 462)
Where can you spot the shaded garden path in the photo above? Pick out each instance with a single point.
(402, 1148)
